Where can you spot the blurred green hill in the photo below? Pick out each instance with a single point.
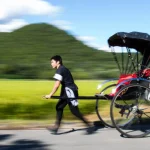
(25, 54)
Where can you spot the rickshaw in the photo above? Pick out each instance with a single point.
(127, 98)
(124, 103)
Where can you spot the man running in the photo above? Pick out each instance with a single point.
(69, 89)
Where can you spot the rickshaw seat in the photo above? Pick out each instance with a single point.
(124, 77)
(146, 73)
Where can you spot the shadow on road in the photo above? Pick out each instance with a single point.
(26, 145)
(5, 136)
(96, 127)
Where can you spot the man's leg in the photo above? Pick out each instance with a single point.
(75, 111)
(73, 105)
(59, 109)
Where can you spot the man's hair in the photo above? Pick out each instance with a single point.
(57, 58)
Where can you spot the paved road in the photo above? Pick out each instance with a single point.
(42, 139)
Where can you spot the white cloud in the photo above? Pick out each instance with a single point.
(89, 41)
(12, 10)
(86, 38)
(115, 49)
(105, 48)
(62, 24)
(93, 44)
(12, 25)
(16, 8)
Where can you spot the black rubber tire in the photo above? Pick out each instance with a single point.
(99, 107)
(133, 103)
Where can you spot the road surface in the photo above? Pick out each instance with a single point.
(42, 139)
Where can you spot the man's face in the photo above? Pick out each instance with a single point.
(54, 63)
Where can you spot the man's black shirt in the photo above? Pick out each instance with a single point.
(64, 75)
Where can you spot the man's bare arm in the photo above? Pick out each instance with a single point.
(55, 88)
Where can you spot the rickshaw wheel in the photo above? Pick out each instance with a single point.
(103, 106)
(130, 110)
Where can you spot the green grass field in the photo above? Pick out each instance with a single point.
(22, 99)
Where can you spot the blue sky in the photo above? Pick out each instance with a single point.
(92, 21)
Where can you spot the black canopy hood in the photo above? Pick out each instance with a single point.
(136, 40)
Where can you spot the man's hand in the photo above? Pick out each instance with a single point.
(47, 96)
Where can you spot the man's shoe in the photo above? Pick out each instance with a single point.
(53, 130)
(90, 130)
